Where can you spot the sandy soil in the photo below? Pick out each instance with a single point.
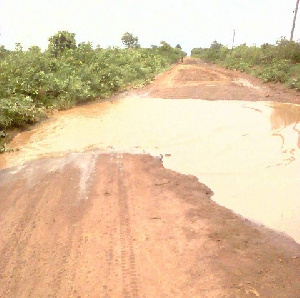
(119, 225)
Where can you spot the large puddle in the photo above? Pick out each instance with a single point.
(246, 152)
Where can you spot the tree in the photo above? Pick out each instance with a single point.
(215, 45)
(3, 51)
(165, 46)
(35, 49)
(196, 51)
(61, 41)
(130, 41)
(266, 46)
(86, 45)
(18, 47)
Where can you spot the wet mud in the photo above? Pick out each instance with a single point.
(247, 152)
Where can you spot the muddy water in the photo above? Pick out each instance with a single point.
(246, 152)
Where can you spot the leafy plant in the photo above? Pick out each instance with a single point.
(130, 41)
(62, 41)
(18, 111)
(271, 63)
(66, 74)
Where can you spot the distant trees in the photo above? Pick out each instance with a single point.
(216, 45)
(165, 46)
(196, 52)
(3, 51)
(18, 47)
(61, 41)
(130, 41)
(271, 63)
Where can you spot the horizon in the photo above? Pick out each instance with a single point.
(192, 24)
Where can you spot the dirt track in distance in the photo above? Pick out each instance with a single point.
(95, 224)
(196, 79)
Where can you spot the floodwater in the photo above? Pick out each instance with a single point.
(246, 152)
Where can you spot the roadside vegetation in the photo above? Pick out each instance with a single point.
(67, 74)
(270, 63)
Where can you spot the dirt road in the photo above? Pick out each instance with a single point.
(92, 224)
(196, 79)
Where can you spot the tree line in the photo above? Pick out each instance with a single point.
(271, 63)
(67, 73)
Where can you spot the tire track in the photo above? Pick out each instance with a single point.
(111, 225)
(75, 211)
(20, 239)
(129, 275)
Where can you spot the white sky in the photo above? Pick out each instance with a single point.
(191, 23)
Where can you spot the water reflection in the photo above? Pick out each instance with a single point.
(246, 152)
(284, 115)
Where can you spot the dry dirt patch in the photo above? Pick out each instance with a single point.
(140, 230)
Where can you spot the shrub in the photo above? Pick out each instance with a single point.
(66, 74)
(18, 111)
(271, 63)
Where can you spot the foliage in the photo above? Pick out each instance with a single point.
(169, 53)
(18, 111)
(271, 63)
(61, 41)
(2, 141)
(216, 45)
(65, 74)
(130, 41)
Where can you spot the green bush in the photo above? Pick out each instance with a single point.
(66, 74)
(278, 71)
(18, 111)
(271, 63)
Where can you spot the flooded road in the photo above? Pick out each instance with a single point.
(246, 152)
(84, 214)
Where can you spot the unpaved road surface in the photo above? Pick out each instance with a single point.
(92, 224)
(196, 79)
